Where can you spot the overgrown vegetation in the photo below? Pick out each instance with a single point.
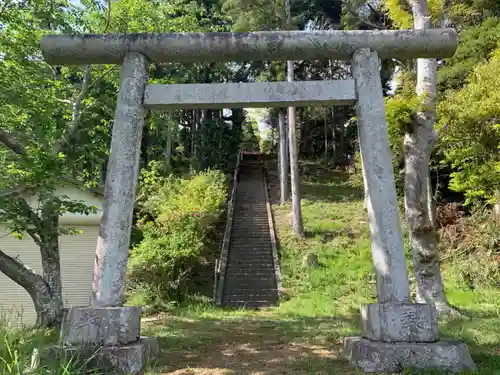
(16, 351)
(304, 334)
(177, 218)
(471, 244)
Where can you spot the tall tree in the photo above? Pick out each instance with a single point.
(283, 157)
(419, 142)
(42, 139)
(297, 224)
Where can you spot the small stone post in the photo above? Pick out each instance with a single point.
(395, 333)
(108, 328)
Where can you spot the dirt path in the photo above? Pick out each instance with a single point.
(256, 347)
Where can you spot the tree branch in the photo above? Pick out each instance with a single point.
(11, 143)
(34, 236)
(30, 214)
(75, 115)
(367, 23)
(73, 125)
(443, 17)
(108, 18)
(19, 272)
(65, 101)
(5, 6)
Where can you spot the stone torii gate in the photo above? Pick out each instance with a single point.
(396, 333)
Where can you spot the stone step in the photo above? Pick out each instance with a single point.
(235, 282)
(256, 263)
(251, 298)
(254, 219)
(242, 299)
(248, 305)
(245, 223)
(241, 247)
(257, 233)
(254, 275)
(258, 237)
(253, 252)
(244, 267)
(250, 258)
(262, 233)
(243, 244)
(250, 280)
(264, 293)
(254, 232)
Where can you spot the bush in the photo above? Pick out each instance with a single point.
(177, 216)
(471, 244)
(471, 133)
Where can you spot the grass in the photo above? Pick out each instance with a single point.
(304, 334)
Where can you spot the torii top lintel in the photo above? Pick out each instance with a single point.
(251, 46)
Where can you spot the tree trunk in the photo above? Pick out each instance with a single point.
(341, 148)
(297, 225)
(334, 124)
(334, 140)
(168, 148)
(283, 159)
(48, 305)
(194, 132)
(325, 135)
(496, 211)
(418, 146)
(49, 250)
(45, 289)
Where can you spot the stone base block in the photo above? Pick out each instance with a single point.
(107, 326)
(376, 356)
(128, 359)
(400, 322)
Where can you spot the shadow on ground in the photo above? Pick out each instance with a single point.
(251, 346)
(263, 346)
(328, 192)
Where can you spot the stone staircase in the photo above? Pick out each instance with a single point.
(250, 278)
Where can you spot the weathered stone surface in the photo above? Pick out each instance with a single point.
(121, 182)
(256, 46)
(128, 359)
(385, 228)
(376, 356)
(396, 322)
(101, 326)
(255, 94)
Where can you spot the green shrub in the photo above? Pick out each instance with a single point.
(177, 216)
(471, 133)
